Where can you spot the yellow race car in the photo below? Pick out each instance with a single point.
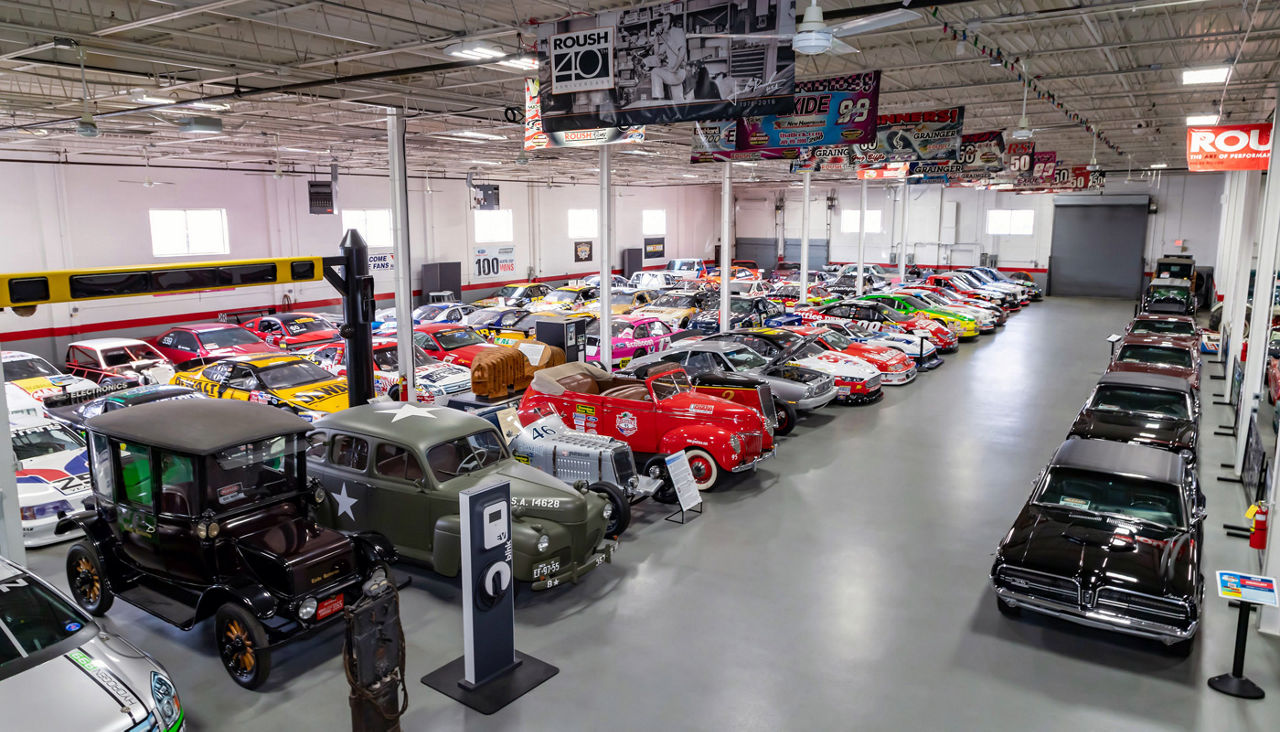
(524, 329)
(285, 381)
(515, 295)
(569, 297)
(625, 300)
(676, 308)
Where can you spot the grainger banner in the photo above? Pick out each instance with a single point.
(1229, 147)
(536, 139)
(666, 63)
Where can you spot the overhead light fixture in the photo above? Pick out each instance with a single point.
(483, 162)
(476, 135)
(200, 125)
(1201, 119)
(1022, 133)
(209, 106)
(638, 151)
(688, 175)
(1211, 75)
(1159, 166)
(304, 150)
(474, 51)
(526, 63)
(143, 96)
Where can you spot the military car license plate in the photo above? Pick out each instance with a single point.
(329, 607)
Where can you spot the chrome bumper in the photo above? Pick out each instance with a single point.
(821, 400)
(578, 569)
(767, 454)
(1101, 619)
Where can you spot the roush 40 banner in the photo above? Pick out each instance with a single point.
(1229, 147)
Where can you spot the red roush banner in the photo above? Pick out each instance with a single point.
(1229, 147)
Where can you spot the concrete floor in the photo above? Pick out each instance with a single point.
(843, 586)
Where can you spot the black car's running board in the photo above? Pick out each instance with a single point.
(160, 605)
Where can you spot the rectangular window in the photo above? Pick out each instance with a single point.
(135, 473)
(189, 232)
(374, 224)
(1011, 222)
(583, 223)
(653, 222)
(849, 221)
(493, 225)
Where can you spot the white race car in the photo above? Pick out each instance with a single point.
(53, 476)
(433, 379)
(856, 380)
(38, 378)
(917, 347)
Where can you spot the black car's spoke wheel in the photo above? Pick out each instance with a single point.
(87, 580)
(620, 515)
(786, 417)
(704, 468)
(242, 645)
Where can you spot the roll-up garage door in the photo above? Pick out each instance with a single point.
(1097, 246)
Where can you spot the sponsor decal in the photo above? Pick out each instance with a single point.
(522, 457)
(329, 607)
(626, 423)
(584, 409)
(230, 493)
(107, 680)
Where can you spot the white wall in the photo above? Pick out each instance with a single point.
(72, 216)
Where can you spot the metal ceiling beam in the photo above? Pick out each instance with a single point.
(166, 17)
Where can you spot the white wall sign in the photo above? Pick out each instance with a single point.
(382, 262)
(682, 478)
(493, 260)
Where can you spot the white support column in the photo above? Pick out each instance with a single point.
(11, 545)
(1264, 284)
(902, 233)
(1269, 622)
(1225, 258)
(1243, 232)
(862, 238)
(804, 239)
(400, 247)
(606, 260)
(726, 226)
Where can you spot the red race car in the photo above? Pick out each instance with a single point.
(209, 341)
(895, 367)
(879, 316)
(658, 416)
(293, 330)
(449, 342)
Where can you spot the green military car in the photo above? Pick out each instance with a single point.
(400, 467)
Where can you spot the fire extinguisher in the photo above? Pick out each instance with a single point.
(1258, 534)
(404, 388)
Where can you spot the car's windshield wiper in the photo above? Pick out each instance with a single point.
(1137, 519)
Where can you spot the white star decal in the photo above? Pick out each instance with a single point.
(412, 410)
(345, 502)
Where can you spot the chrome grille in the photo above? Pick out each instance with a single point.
(767, 406)
(455, 388)
(1040, 584)
(873, 383)
(823, 384)
(1139, 606)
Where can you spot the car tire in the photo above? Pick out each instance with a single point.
(394, 393)
(87, 580)
(684, 324)
(1008, 610)
(656, 467)
(786, 417)
(1181, 649)
(242, 646)
(621, 518)
(706, 473)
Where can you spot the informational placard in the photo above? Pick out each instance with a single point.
(836, 111)
(1229, 147)
(536, 139)
(1252, 588)
(493, 260)
(682, 478)
(665, 63)
(582, 251)
(509, 423)
(655, 247)
(532, 351)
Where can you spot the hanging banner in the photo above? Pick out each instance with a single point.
(536, 139)
(1040, 174)
(911, 136)
(1083, 179)
(936, 171)
(491, 260)
(1229, 147)
(660, 64)
(1021, 157)
(982, 152)
(892, 171)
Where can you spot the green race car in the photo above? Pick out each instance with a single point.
(962, 325)
(400, 467)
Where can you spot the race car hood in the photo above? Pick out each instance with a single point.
(309, 338)
(442, 375)
(1176, 434)
(41, 387)
(465, 355)
(325, 396)
(884, 359)
(514, 302)
(67, 472)
(914, 344)
(103, 684)
(1095, 550)
(839, 365)
(652, 311)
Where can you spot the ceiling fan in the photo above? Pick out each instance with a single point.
(147, 181)
(813, 36)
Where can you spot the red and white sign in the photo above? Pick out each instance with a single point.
(889, 171)
(1229, 147)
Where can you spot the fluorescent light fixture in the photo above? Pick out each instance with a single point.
(745, 164)
(1022, 133)
(476, 135)
(209, 106)
(200, 125)
(1201, 119)
(1159, 166)
(474, 51)
(521, 64)
(1212, 75)
(688, 175)
(143, 96)
(483, 162)
(638, 151)
(304, 150)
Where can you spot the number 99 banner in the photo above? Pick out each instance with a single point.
(493, 261)
(837, 111)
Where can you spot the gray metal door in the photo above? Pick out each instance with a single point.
(763, 251)
(817, 252)
(1097, 247)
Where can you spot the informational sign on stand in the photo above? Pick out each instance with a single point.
(682, 478)
(1247, 588)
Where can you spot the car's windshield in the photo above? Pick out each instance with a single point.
(227, 338)
(1161, 292)
(451, 339)
(739, 306)
(558, 296)
(27, 368)
(670, 384)
(836, 340)
(622, 298)
(387, 358)
(46, 439)
(1151, 402)
(1164, 327)
(892, 315)
(126, 355)
(1155, 354)
(741, 288)
(32, 619)
(617, 327)
(1112, 494)
(510, 291)
(305, 324)
(429, 312)
(745, 358)
(682, 265)
(914, 302)
(676, 301)
(292, 373)
(242, 475)
(787, 291)
(464, 455)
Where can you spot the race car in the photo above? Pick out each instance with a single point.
(436, 312)
(788, 295)
(488, 321)
(569, 297)
(744, 312)
(53, 476)
(987, 321)
(895, 367)
(286, 381)
(208, 341)
(924, 353)
(515, 295)
(958, 283)
(625, 300)
(879, 316)
(857, 382)
(118, 360)
(449, 342)
(736, 274)
(293, 330)
(962, 325)
(433, 379)
(947, 297)
(38, 378)
(525, 329)
(674, 308)
(748, 288)
(74, 415)
(633, 337)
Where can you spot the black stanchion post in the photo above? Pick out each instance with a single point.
(356, 285)
(1235, 683)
